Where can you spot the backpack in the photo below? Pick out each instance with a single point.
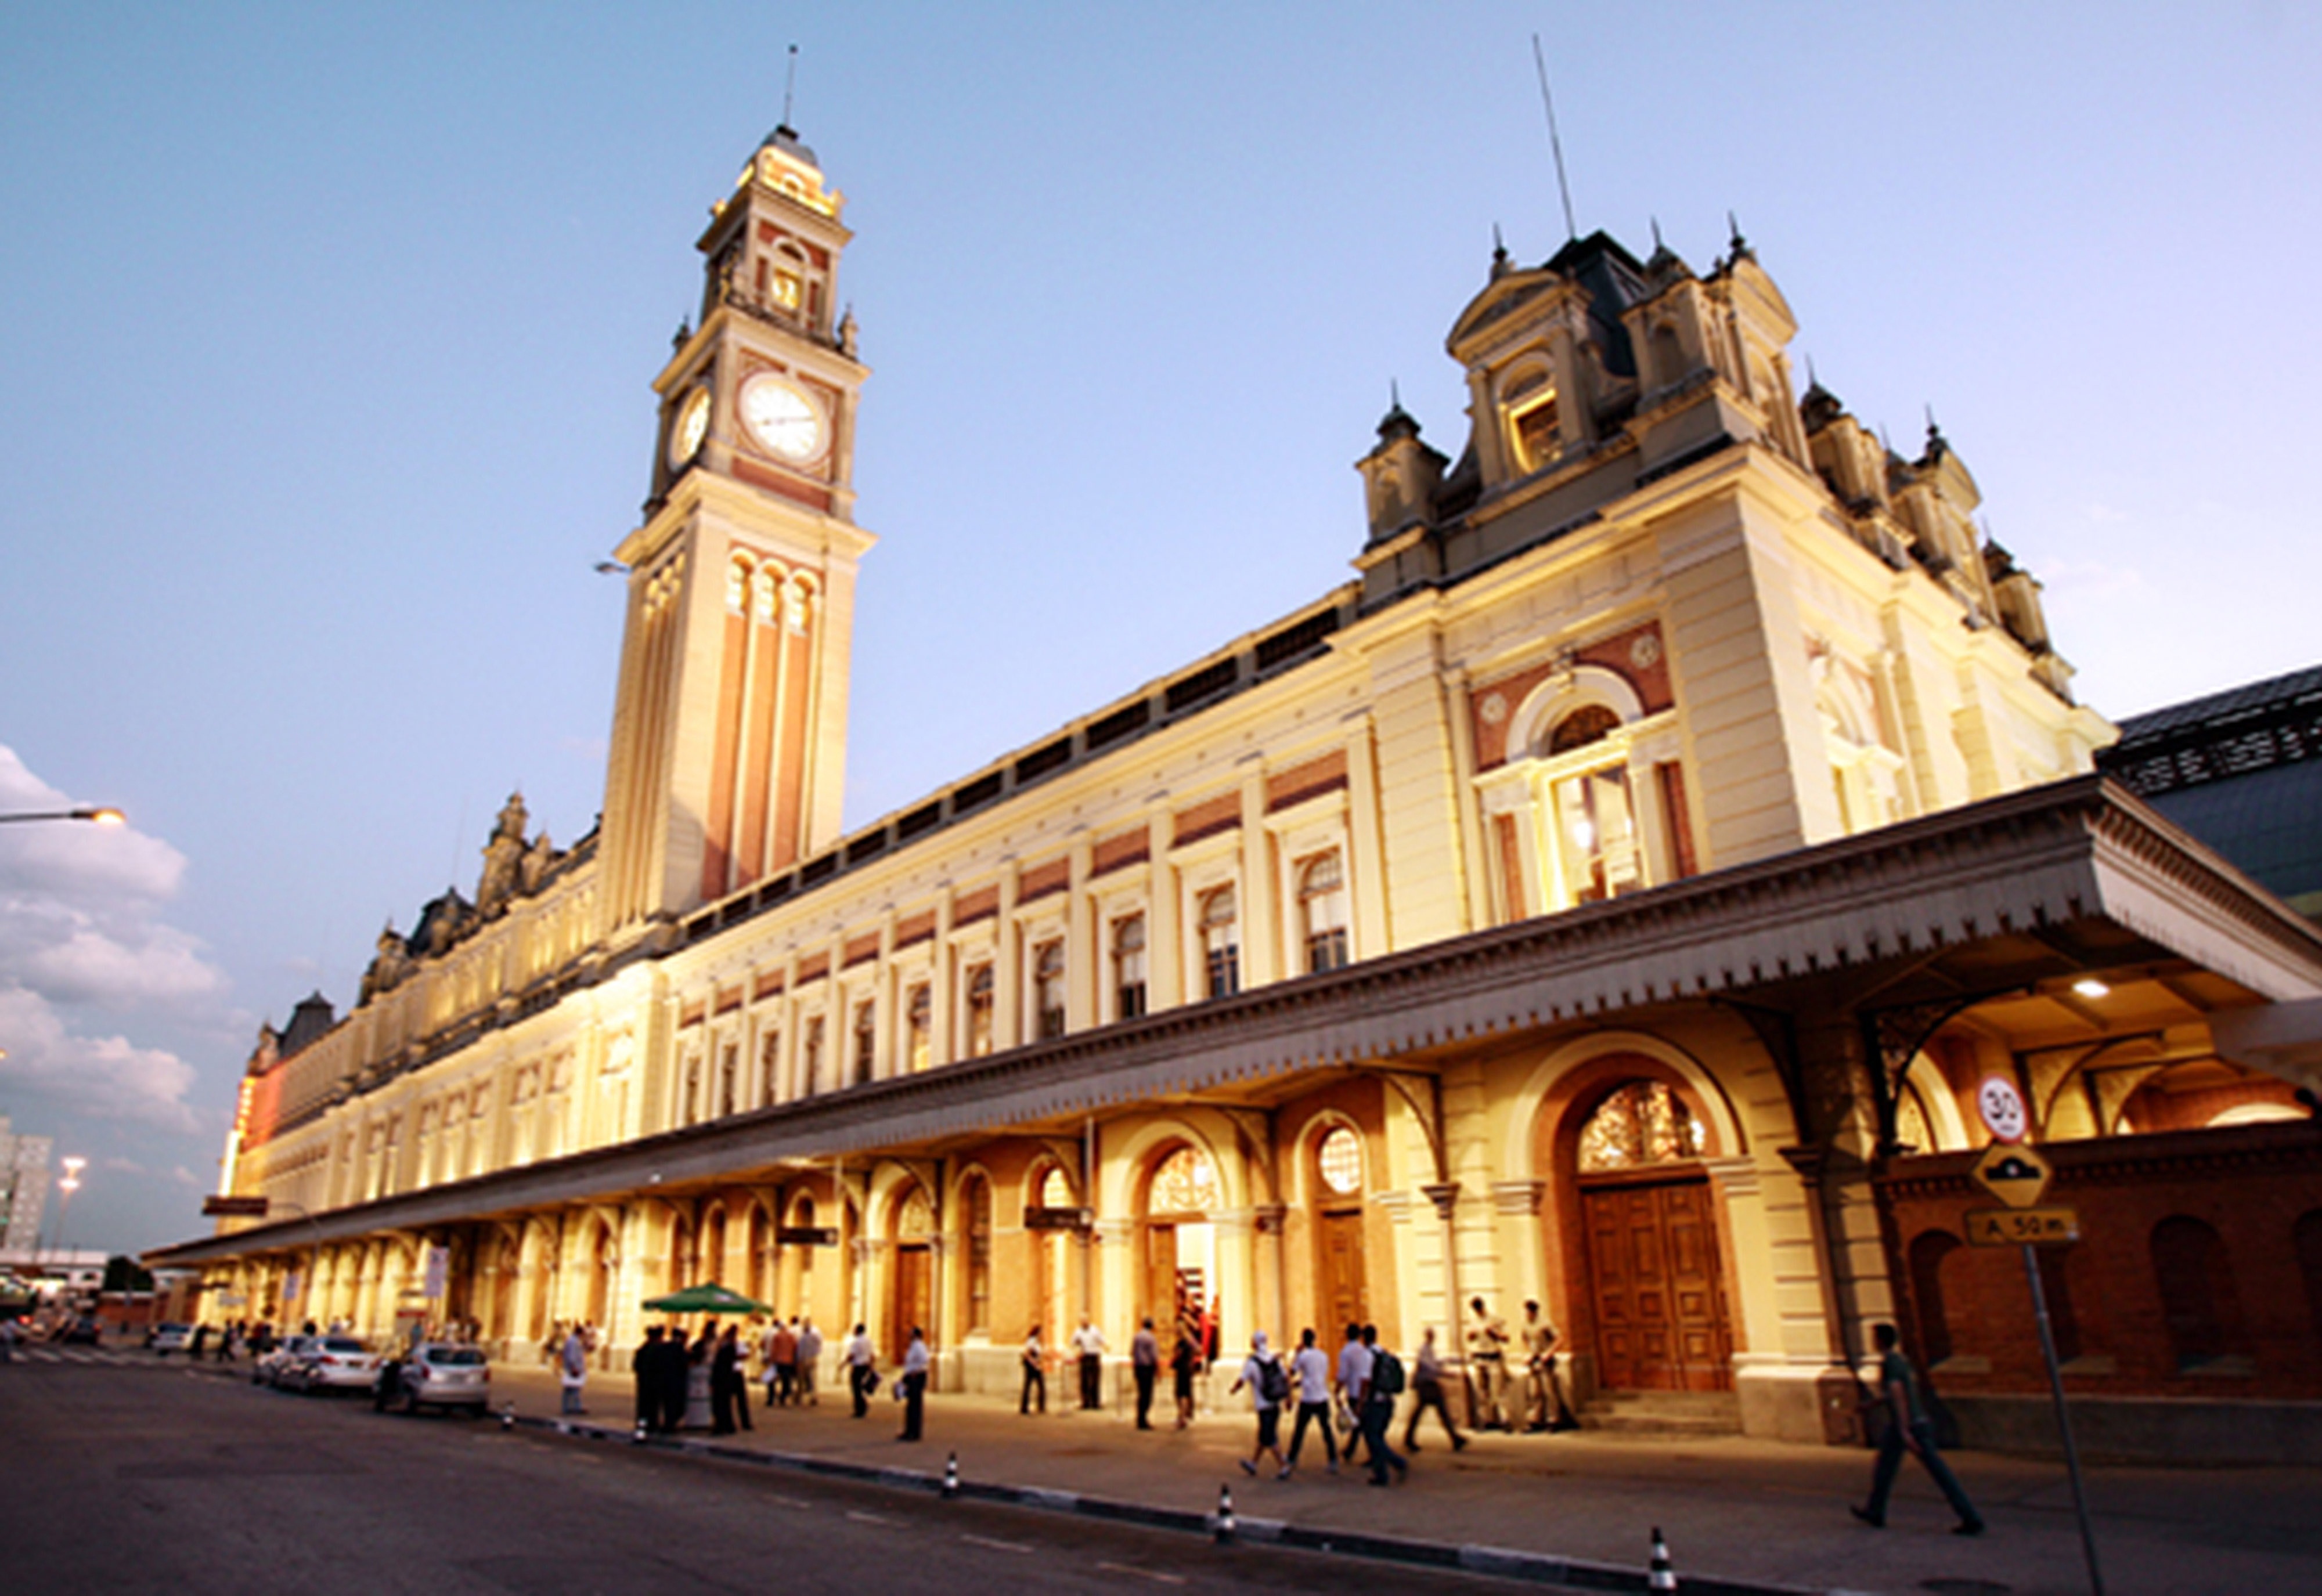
(1387, 1374)
(1274, 1381)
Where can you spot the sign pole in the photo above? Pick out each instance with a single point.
(2063, 1416)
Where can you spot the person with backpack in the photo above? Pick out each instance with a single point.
(1381, 1385)
(1269, 1388)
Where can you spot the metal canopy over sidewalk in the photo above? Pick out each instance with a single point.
(2000, 902)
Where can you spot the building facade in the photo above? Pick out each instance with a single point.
(23, 1189)
(1605, 897)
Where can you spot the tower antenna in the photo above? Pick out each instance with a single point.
(790, 86)
(1554, 144)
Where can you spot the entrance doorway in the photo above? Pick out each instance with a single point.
(1655, 1271)
(910, 1297)
(1181, 1246)
(1337, 1180)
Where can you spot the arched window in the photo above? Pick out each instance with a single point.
(1129, 967)
(978, 1207)
(866, 1042)
(1644, 1122)
(692, 1105)
(2198, 1300)
(770, 1053)
(2307, 1236)
(1338, 1162)
(1929, 1252)
(1323, 912)
(1186, 1182)
(1591, 723)
(1220, 943)
(1056, 1189)
(1048, 989)
(919, 1016)
(979, 1011)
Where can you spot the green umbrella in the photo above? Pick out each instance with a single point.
(708, 1299)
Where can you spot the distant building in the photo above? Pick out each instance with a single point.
(24, 1188)
(1631, 890)
(2241, 770)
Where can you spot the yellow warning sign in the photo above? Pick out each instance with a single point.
(2015, 1227)
(2016, 1174)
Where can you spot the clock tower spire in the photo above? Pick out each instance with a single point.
(729, 723)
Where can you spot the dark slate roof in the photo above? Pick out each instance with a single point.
(2269, 823)
(2233, 703)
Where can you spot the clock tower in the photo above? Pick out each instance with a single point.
(729, 721)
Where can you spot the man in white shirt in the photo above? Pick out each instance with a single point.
(1255, 1369)
(914, 1380)
(860, 1365)
(1311, 1372)
(1088, 1345)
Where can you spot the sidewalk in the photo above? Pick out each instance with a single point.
(1743, 1510)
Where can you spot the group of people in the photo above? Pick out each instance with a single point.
(1358, 1392)
(1186, 1360)
(788, 1352)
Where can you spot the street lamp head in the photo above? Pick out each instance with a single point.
(101, 815)
(73, 1166)
(105, 816)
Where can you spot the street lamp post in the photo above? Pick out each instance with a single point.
(97, 815)
(68, 1185)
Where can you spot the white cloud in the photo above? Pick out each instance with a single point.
(103, 1077)
(82, 934)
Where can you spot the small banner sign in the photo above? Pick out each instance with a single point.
(806, 1235)
(2017, 1227)
(1038, 1219)
(218, 1206)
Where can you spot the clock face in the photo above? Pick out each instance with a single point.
(692, 426)
(783, 418)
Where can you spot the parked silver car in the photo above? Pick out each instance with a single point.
(436, 1374)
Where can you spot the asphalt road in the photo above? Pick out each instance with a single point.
(127, 1476)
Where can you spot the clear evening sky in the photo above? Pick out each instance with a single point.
(328, 328)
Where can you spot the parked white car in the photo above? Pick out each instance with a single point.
(333, 1362)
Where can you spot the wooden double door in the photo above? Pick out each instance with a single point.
(913, 1299)
(1341, 1298)
(1657, 1280)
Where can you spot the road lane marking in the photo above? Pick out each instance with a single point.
(982, 1540)
(793, 1502)
(861, 1518)
(1149, 1573)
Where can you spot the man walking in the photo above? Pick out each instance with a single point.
(1310, 1370)
(1088, 1347)
(1145, 1364)
(1907, 1431)
(1269, 1388)
(1382, 1384)
(1427, 1388)
(914, 1385)
(1353, 1366)
(861, 1370)
(1487, 1348)
(1035, 1358)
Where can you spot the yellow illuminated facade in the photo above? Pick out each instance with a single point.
(1527, 917)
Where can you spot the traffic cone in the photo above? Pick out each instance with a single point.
(1225, 1514)
(508, 1417)
(951, 1476)
(1662, 1577)
(639, 1438)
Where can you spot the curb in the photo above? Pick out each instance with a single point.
(1505, 1562)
